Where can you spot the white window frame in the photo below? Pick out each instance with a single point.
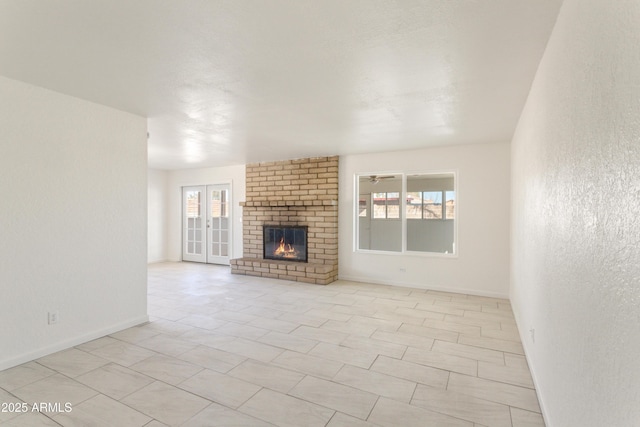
(402, 215)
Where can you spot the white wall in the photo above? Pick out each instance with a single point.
(157, 184)
(72, 221)
(576, 218)
(482, 264)
(234, 175)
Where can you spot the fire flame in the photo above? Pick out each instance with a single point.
(285, 250)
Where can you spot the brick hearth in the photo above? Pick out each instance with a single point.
(292, 192)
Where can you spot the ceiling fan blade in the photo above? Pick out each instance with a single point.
(374, 179)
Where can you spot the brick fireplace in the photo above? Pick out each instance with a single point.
(298, 193)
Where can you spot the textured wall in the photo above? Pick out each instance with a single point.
(481, 265)
(576, 218)
(157, 183)
(73, 221)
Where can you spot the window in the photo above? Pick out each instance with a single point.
(219, 208)
(431, 205)
(386, 205)
(362, 207)
(409, 213)
(450, 201)
(193, 204)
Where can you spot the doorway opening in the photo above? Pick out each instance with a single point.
(206, 230)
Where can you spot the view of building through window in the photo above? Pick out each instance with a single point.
(429, 205)
(193, 204)
(420, 205)
(219, 204)
(386, 205)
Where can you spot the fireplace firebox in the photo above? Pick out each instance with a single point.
(284, 242)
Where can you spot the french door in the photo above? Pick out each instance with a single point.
(206, 213)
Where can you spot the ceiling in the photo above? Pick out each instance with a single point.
(232, 82)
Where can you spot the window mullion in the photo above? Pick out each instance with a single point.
(402, 211)
(386, 205)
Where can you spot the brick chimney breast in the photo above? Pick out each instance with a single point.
(300, 192)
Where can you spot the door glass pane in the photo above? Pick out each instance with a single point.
(193, 204)
(224, 204)
(216, 203)
(224, 249)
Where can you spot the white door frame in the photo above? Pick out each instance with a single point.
(203, 235)
(219, 224)
(193, 223)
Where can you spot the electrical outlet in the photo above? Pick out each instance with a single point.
(532, 331)
(53, 317)
(403, 269)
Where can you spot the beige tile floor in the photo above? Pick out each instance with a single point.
(225, 350)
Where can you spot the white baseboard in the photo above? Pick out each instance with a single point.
(63, 345)
(525, 345)
(425, 287)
